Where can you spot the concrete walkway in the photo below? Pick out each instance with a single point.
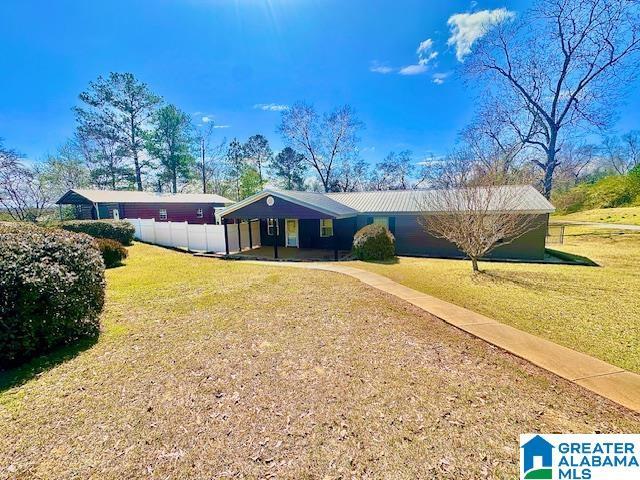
(607, 226)
(607, 380)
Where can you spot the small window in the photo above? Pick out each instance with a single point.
(273, 225)
(384, 221)
(163, 214)
(326, 227)
(199, 213)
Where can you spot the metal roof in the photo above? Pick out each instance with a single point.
(126, 196)
(522, 198)
(313, 200)
(526, 199)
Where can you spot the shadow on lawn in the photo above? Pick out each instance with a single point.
(23, 373)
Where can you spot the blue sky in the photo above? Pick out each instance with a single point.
(225, 57)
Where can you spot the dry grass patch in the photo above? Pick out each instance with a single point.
(213, 369)
(622, 215)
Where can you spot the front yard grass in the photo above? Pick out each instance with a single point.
(622, 215)
(595, 310)
(214, 369)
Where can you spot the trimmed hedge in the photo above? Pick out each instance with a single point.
(112, 252)
(117, 230)
(374, 242)
(51, 290)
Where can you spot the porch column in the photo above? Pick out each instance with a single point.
(239, 237)
(250, 236)
(275, 238)
(226, 235)
(335, 246)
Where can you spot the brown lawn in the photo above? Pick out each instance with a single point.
(213, 369)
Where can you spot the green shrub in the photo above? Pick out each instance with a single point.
(51, 290)
(113, 253)
(118, 230)
(613, 191)
(374, 242)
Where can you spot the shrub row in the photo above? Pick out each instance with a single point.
(374, 242)
(51, 290)
(117, 230)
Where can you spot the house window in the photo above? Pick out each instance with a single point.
(163, 214)
(384, 221)
(199, 213)
(326, 227)
(273, 225)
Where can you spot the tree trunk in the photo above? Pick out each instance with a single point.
(550, 166)
(134, 150)
(174, 182)
(474, 264)
(136, 163)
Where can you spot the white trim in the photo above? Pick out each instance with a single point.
(324, 220)
(275, 226)
(286, 232)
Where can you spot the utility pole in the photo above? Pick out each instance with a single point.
(204, 170)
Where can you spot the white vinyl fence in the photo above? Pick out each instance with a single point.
(194, 237)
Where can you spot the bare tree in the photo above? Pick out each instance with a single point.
(324, 141)
(64, 170)
(574, 161)
(395, 171)
(631, 142)
(491, 139)
(477, 215)
(350, 175)
(22, 193)
(562, 66)
(622, 153)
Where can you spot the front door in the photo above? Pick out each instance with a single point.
(292, 232)
(116, 214)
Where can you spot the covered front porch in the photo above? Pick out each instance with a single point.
(292, 254)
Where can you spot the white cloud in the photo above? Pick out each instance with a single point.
(439, 77)
(413, 69)
(379, 68)
(271, 107)
(222, 126)
(207, 119)
(425, 52)
(466, 28)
